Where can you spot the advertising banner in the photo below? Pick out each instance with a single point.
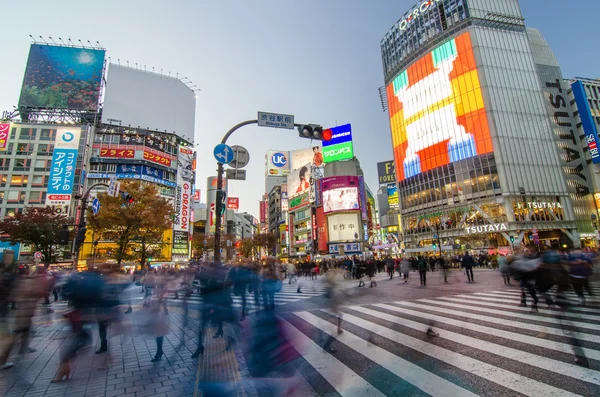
(284, 198)
(343, 227)
(157, 158)
(137, 175)
(587, 120)
(212, 183)
(322, 239)
(298, 201)
(319, 192)
(314, 227)
(263, 211)
(62, 170)
(393, 196)
(183, 195)
(4, 135)
(61, 77)
(6, 245)
(334, 182)
(340, 199)
(180, 243)
(233, 203)
(342, 151)
(339, 134)
(197, 195)
(436, 108)
(298, 181)
(386, 172)
(117, 153)
(292, 249)
(278, 163)
(311, 156)
(362, 197)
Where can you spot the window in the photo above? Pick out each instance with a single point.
(38, 180)
(45, 149)
(27, 133)
(1, 197)
(13, 133)
(4, 164)
(35, 197)
(19, 180)
(47, 134)
(13, 196)
(25, 148)
(22, 164)
(3, 181)
(42, 165)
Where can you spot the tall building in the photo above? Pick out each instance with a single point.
(476, 156)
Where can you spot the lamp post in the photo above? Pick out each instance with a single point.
(594, 220)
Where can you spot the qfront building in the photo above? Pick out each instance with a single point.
(480, 158)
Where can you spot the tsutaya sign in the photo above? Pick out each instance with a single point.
(539, 204)
(495, 227)
(419, 9)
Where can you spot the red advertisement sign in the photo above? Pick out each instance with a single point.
(291, 229)
(314, 226)
(263, 212)
(157, 158)
(322, 230)
(117, 153)
(197, 195)
(4, 131)
(233, 203)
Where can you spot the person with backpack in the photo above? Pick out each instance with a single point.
(422, 264)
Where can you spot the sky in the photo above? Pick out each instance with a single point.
(316, 59)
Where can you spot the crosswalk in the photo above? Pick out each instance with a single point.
(487, 346)
(288, 294)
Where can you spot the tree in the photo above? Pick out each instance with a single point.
(136, 228)
(246, 247)
(198, 246)
(268, 241)
(38, 226)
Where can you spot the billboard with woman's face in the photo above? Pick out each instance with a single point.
(341, 199)
(298, 181)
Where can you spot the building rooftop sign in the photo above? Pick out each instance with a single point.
(417, 10)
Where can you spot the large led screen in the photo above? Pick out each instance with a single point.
(340, 199)
(59, 77)
(143, 99)
(437, 114)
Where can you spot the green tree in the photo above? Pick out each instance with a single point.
(246, 247)
(136, 228)
(38, 226)
(268, 241)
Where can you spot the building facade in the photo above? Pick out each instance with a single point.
(477, 162)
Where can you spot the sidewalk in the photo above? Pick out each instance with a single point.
(131, 372)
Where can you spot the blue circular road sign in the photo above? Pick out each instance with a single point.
(95, 205)
(223, 153)
(279, 159)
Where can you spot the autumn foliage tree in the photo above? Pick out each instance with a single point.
(136, 228)
(268, 241)
(38, 226)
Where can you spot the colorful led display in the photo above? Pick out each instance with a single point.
(437, 114)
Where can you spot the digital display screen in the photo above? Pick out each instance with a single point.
(436, 108)
(340, 199)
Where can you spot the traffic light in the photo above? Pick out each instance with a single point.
(512, 239)
(434, 246)
(127, 198)
(313, 131)
(80, 237)
(238, 244)
(64, 235)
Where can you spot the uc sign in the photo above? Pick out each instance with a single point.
(279, 160)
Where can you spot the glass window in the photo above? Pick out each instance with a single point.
(13, 195)
(37, 180)
(27, 133)
(35, 196)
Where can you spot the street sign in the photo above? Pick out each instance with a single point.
(235, 174)
(95, 206)
(275, 120)
(112, 186)
(37, 255)
(241, 157)
(223, 153)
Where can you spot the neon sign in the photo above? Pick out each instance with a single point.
(416, 12)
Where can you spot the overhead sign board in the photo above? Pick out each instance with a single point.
(276, 120)
(342, 151)
(386, 171)
(339, 134)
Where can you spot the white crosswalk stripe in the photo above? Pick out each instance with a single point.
(487, 345)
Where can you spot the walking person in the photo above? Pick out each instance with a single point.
(445, 266)
(241, 280)
(467, 263)
(423, 271)
(389, 265)
(504, 268)
(405, 268)
(526, 271)
(371, 271)
(160, 325)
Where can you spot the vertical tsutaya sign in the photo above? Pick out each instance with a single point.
(387, 172)
(62, 170)
(4, 134)
(185, 173)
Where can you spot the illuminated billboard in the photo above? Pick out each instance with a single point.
(62, 170)
(340, 199)
(137, 98)
(298, 181)
(4, 133)
(340, 146)
(392, 190)
(277, 162)
(343, 227)
(437, 114)
(60, 77)
(301, 157)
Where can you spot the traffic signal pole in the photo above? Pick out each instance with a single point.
(81, 224)
(218, 203)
